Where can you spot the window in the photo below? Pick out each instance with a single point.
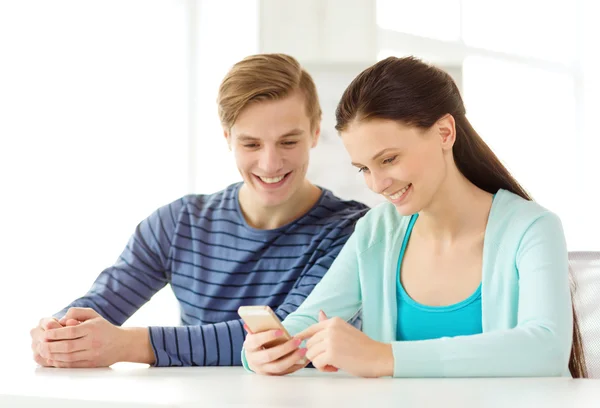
(438, 19)
(100, 103)
(214, 166)
(532, 28)
(528, 72)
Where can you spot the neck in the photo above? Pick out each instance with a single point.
(273, 217)
(458, 209)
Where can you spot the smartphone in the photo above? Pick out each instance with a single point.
(262, 318)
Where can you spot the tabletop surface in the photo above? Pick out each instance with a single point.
(134, 385)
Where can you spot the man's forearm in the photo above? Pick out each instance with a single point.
(136, 346)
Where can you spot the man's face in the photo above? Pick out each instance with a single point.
(271, 141)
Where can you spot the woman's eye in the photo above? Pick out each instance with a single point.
(290, 143)
(251, 145)
(389, 160)
(363, 169)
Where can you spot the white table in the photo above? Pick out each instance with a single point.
(132, 385)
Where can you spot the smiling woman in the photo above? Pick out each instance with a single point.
(461, 274)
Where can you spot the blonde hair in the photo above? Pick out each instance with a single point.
(264, 77)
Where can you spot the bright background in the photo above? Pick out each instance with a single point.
(107, 111)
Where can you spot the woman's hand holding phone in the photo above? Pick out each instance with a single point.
(282, 359)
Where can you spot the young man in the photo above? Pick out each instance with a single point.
(265, 241)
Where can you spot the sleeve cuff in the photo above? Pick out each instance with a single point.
(245, 362)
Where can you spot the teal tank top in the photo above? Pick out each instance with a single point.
(422, 322)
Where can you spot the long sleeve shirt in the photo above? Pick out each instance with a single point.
(526, 308)
(215, 262)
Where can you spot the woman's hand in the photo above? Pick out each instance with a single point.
(279, 360)
(333, 343)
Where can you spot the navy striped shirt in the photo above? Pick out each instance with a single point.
(215, 262)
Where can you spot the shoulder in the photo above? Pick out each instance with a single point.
(336, 207)
(330, 221)
(331, 210)
(512, 218)
(198, 205)
(382, 225)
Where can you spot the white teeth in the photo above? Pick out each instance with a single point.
(271, 180)
(399, 193)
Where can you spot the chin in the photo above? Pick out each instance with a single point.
(406, 210)
(272, 198)
(277, 196)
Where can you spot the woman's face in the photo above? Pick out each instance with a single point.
(405, 164)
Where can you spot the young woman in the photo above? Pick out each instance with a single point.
(460, 274)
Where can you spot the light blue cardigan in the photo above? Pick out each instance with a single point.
(526, 302)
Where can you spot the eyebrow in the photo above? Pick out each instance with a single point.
(378, 155)
(293, 132)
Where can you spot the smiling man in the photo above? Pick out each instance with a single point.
(265, 241)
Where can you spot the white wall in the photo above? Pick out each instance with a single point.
(334, 40)
(93, 137)
(531, 93)
(107, 111)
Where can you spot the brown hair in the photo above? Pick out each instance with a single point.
(417, 94)
(265, 77)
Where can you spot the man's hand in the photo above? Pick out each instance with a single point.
(82, 338)
(37, 337)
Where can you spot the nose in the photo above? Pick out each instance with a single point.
(270, 161)
(379, 183)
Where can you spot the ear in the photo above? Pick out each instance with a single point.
(446, 128)
(227, 134)
(315, 136)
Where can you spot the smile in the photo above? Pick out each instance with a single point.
(273, 181)
(397, 195)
